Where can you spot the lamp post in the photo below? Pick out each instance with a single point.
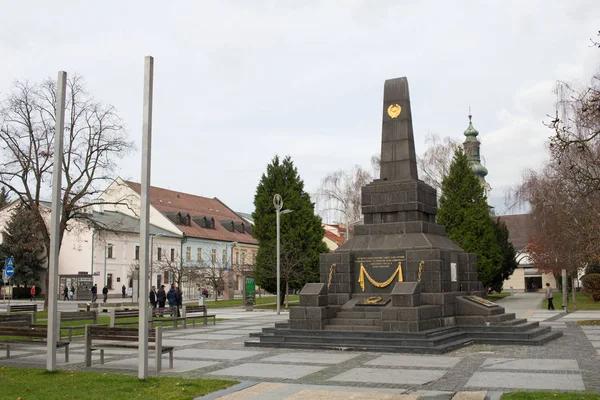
(278, 203)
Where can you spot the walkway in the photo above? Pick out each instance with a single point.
(569, 363)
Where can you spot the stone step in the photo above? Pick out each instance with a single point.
(529, 334)
(357, 314)
(536, 341)
(364, 321)
(359, 328)
(514, 322)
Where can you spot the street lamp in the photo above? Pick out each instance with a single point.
(278, 203)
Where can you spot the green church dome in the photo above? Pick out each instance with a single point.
(479, 169)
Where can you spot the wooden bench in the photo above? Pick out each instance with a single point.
(113, 338)
(164, 314)
(35, 337)
(23, 308)
(16, 320)
(187, 310)
(114, 315)
(64, 316)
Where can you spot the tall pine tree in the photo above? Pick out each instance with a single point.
(509, 255)
(22, 240)
(301, 230)
(464, 212)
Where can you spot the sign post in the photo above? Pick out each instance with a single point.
(249, 292)
(7, 273)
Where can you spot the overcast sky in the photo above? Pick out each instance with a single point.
(238, 82)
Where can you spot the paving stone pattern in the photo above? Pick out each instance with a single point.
(568, 363)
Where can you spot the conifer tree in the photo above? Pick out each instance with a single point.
(4, 197)
(464, 212)
(509, 255)
(301, 231)
(23, 241)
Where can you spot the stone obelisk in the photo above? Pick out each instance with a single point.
(398, 159)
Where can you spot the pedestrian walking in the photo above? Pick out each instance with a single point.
(105, 293)
(32, 293)
(153, 296)
(66, 293)
(549, 297)
(72, 292)
(123, 291)
(179, 301)
(94, 293)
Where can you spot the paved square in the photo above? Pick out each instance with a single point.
(214, 354)
(526, 380)
(531, 364)
(311, 358)
(392, 376)
(325, 394)
(210, 336)
(593, 337)
(179, 365)
(42, 358)
(181, 342)
(277, 371)
(595, 344)
(415, 361)
(232, 332)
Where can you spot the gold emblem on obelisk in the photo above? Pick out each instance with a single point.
(394, 110)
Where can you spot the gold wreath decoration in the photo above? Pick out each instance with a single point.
(421, 265)
(331, 269)
(373, 300)
(363, 273)
(394, 110)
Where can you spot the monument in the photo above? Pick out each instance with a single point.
(399, 284)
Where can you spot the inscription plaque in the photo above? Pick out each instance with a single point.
(373, 272)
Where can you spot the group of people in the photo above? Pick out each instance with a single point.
(68, 294)
(174, 297)
(95, 293)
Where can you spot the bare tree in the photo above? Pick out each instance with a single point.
(94, 138)
(215, 274)
(340, 192)
(435, 162)
(179, 271)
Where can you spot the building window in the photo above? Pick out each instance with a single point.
(243, 258)
(159, 254)
(109, 251)
(109, 281)
(225, 256)
(188, 254)
(166, 278)
(137, 253)
(214, 256)
(172, 255)
(199, 254)
(237, 257)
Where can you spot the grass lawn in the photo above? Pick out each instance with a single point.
(548, 395)
(239, 302)
(589, 322)
(582, 302)
(497, 296)
(29, 383)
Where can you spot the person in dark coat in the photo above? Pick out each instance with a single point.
(66, 293)
(161, 296)
(172, 296)
(94, 293)
(179, 300)
(153, 296)
(123, 291)
(105, 293)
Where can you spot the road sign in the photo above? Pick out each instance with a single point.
(10, 262)
(10, 271)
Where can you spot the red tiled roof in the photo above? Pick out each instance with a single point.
(334, 238)
(518, 229)
(167, 201)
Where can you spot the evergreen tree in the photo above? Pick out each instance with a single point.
(464, 212)
(509, 255)
(301, 230)
(22, 240)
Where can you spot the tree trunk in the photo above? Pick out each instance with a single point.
(574, 292)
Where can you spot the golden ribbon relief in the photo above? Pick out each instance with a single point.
(363, 273)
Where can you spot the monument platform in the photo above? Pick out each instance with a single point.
(400, 284)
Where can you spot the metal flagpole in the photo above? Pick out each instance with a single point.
(55, 220)
(145, 217)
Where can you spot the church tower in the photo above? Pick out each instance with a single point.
(472, 146)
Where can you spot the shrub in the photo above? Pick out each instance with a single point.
(591, 286)
(23, 292)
